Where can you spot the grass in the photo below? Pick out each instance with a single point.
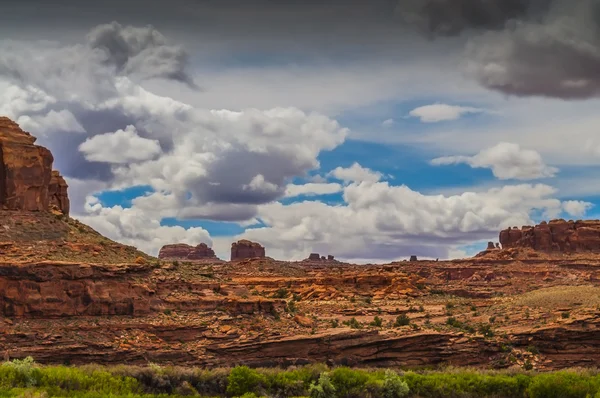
(24, 378)
(561, 296)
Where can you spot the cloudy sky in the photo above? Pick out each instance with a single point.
(367, 130)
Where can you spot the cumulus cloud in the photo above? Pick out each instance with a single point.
(312, 189)
(380, 221)
(576, 208)
(442, 112)
(135, 227)
(557, 56)
(62, 121)
(218, 164)
(506, 160)
(355, 173)
(122, 146)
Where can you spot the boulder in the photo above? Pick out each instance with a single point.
(181, 251)
(26, 178)
(413, 258)
(244, 249)
(330, 257)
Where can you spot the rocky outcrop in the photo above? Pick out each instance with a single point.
(57, 191)
(245, 249)
(555, 236)
(55, 289)
(317, 257)
(26, 178)
(181, 251)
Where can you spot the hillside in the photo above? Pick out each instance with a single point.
(70, 295)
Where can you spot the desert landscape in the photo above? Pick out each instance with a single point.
(69, 296)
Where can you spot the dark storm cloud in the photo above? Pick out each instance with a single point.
(517, 47)
(143, 51)
(556, 57)
(452, 17)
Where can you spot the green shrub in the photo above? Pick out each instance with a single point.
(242, 380)
(564, 385)
(353, 323)
(394, 386)
(281, 293)
(377, 322)
(486, 330)
(402, 320)
(20, 373)
(323, 389)
(349, 382)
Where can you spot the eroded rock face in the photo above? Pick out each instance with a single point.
(26, 178)
(181, 251)
(244, 249)
(57, 191)
(555, 236)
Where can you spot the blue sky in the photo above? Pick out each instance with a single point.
(293, 129)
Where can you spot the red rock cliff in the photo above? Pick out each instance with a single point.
(555, 236)
(244, 249)
(181, 251)
(27, 181)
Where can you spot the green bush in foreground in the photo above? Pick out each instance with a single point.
(24, 378)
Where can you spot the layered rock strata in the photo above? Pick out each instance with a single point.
(181, 251)
(555, 236)
(27, 181)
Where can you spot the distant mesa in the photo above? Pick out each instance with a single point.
(318, 257)
(245, 249)
(556, 236)
(413, 258)
(27, 181)
(182, 251)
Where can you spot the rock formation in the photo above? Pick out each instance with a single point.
(555, 236)
(318, 257)
(181, 251)
(57, 190)
(27, 181)
(413, 258)
(244, 249)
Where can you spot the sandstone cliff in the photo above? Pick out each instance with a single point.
(555, 236)
(27, 181)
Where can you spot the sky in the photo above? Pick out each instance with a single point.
(371, 131)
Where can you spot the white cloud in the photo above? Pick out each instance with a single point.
(379, 221)
(18, 100)
(576, 208)
(312, 189)
(442, 112)
(133, 226)
(387, 123)
(506, 160)
(122, 146)
(62, 121)
(355, 173)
